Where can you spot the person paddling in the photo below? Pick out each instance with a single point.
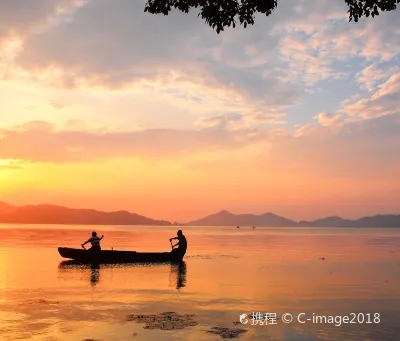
(95, 241)
(182, 242)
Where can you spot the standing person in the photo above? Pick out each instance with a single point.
(95, 241)
(182, 242)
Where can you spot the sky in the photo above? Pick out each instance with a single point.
(105, 106)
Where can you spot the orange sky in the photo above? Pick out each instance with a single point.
(107, 115)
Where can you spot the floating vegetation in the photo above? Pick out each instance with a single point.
(42, 301)
(200, 256)
(164, 321)
(227, 333)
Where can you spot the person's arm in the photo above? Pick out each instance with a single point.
(102, 237)
(170, 239)
(88, 241)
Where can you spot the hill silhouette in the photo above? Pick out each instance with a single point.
(225, 218)
(52, 214)
(5, 208)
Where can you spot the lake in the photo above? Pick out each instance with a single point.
(293, 284)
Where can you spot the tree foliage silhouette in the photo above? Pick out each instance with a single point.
(220, 14)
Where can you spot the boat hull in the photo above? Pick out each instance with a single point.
(114, 256)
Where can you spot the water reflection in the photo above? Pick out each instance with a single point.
(94, 274)
(283, 274)
(178, 271)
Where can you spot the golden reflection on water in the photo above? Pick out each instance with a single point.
(224, 274)
(70, 270)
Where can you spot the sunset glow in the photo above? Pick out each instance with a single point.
(104, 106)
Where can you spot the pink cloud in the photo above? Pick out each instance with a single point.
(327, 119)
(359, 149)
(40, 141)
(385, 100)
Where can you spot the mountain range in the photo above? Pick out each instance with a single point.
(225, 218)
(53, 214)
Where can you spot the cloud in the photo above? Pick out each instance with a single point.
(257, 72)
(41, 141)
(106, 45)
(19, 18)
(381, 37)
(319, 52)
(106, 41)
(222, 122)
(256, 86)
(271, 117)
(249, 120)
(327, 119)
(371, 75)
(385, 100)
(305, 62)
(366, 148)
(361, 149)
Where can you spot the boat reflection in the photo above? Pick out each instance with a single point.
(94, 274)
(178, 271)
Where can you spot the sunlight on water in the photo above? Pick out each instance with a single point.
(225, 273)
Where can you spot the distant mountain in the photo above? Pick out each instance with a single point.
(381, 220)
(387, 220)
(225, 218)
(330, 222)
(52, 214)
(5, 208)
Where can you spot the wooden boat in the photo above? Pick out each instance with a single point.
(113, 256)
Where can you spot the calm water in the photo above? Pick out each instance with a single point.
(227, 272)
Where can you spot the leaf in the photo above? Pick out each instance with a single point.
(219, 14)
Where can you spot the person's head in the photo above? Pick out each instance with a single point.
(94, 234)
(179, 233)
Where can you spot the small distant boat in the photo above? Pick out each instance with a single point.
(113, 256)
(237, 227)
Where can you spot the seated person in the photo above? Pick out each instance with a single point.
(95, 241)
(182, 242)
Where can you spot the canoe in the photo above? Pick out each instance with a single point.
(114, 256)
